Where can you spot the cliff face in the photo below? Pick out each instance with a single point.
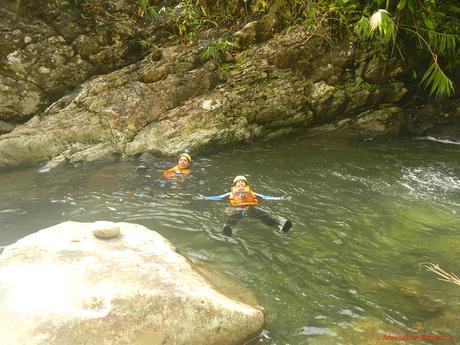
(48, 48)
(271, 84)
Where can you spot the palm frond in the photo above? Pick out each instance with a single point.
(443, 43)
(434, 78)
(383, 23)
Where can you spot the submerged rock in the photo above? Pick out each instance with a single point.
(62, 285)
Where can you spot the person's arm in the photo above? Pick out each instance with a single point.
(215, 197)
(268, 197)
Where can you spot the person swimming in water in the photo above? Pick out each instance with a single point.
(181, 169)
(244, 202)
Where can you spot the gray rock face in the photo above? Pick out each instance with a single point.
(276, 85)
(48, 48)
(182, 102)
(64, 286)
(108, 112)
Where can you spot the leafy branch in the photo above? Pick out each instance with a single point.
(434, 77)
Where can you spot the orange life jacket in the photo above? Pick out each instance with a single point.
(174, 171)
(245, 197)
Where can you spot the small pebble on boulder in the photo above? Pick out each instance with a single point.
(105, 230)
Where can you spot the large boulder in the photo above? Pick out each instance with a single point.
(112, 283)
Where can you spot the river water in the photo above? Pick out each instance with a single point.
(366, 215)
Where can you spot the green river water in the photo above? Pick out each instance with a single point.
(366, 214)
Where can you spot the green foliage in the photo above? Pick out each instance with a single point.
(412, 28)
(422, 22)
(225, 69)
(145, 44)
(260, 6)
(442, 42)
(434, 78)
(364, 85)
(316, 15)
(407, 27)
(215, 50)
(380, 25)
(187, 21)
(343, 13)
(363, 29)
(383, 23)
(144, 5)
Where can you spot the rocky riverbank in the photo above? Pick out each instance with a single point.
(75, 87)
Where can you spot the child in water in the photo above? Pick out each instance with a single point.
(245, 202)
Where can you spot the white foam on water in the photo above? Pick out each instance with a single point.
(438, 140)
(308, 330)
(429, 183)
(16, 211)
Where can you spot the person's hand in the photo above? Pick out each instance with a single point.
(199, 197)
(286, 197)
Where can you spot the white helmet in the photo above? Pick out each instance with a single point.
(186, 155)
(239, 178)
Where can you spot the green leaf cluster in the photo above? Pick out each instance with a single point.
(147, 9)
(187, 20)
(215, 50)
